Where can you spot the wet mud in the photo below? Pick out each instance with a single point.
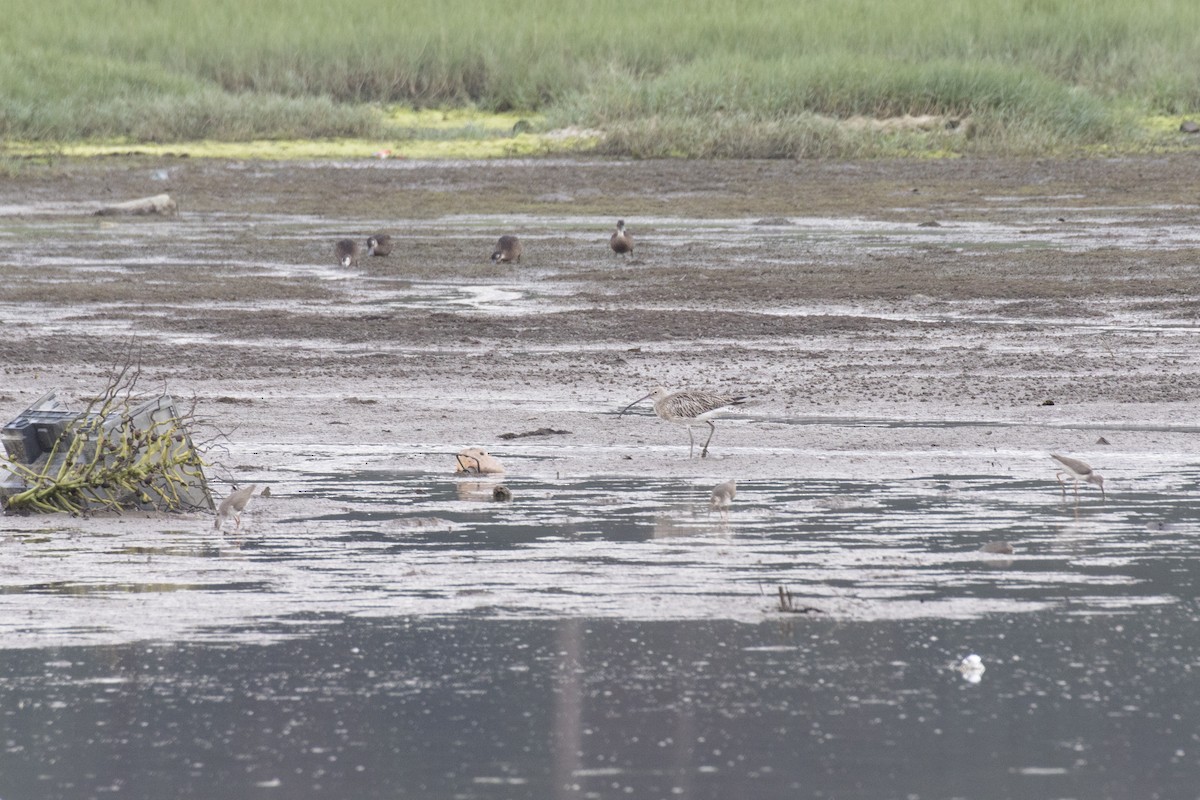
(922, 328)
(810, 285)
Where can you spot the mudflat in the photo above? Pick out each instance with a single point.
(1032, 293)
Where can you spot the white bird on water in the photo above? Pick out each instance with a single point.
(688, 408)
(234, 505)
(1078, 471)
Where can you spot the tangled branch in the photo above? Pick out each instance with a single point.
(108, 459)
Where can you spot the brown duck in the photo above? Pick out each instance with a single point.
(379, 245)
(346, 251)
(508, 249)
(621, 242)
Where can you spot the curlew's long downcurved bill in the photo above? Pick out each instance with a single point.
(634, 403)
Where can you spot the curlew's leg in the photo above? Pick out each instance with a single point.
(711, 430)
(1063, 486)
(691, 442)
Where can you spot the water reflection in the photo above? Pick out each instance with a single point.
(390, 543)
(464, 707)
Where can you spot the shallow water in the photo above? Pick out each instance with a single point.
(375, 632)
(1071, 705)
(366, 540)
(380, 628)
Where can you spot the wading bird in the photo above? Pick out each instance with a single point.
(688, 408)
(234, 505)
(1078, 471)
(722, 497)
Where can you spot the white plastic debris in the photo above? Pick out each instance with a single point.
(971, 668)
(476, 461)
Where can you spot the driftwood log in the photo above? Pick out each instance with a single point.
(538, 432)
(160, 204)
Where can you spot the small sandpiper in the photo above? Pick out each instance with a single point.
(722, 497)
(234, 505)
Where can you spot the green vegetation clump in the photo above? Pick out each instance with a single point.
(774, 78)
(105, 461)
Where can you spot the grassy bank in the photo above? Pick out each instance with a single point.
(757, 78)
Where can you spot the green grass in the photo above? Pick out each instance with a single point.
(775, 78)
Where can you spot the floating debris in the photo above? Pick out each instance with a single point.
(998, 548)
(971, 668)
(119, 453)
(477, 461)
(159, 204)
(788, 606)
(476, 491)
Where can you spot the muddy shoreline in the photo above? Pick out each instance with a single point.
(812, 286)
